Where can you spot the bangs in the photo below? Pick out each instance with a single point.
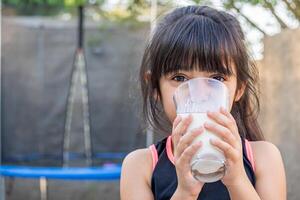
(195, 43)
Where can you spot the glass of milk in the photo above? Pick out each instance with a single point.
(196, 97)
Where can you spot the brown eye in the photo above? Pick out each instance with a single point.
(219, 78)
(179, 78)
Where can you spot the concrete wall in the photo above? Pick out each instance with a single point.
(280, 101)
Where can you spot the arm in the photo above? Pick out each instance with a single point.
(270, 176)
(135, 176)
(270, 173)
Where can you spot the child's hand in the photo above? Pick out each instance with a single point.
(230, 143)
(184, 150)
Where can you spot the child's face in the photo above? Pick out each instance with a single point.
(171, 81)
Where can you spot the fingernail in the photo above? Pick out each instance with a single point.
(206, 124)
(213, 140)
(197, 144)
(189, 119)
(199, 130)
(223, 109)
(210, 113)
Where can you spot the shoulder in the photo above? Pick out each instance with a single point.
(136, 175)
(265, 153)
(138, 161)
(261, 148)
(270, 173)
(138, 154)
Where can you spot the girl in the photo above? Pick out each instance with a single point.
(193, 42)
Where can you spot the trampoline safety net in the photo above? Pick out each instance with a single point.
(37, 61)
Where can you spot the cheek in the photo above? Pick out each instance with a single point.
(232, 94)
(170, 110)
(168, 105)
(231, 99)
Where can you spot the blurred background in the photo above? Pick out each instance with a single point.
(71, 99)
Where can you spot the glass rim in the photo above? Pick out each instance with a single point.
(198, 78)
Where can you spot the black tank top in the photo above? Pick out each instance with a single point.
(164, 178)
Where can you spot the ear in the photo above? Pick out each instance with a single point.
(147, 76)
(239, 93)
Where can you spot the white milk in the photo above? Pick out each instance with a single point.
(208, 163)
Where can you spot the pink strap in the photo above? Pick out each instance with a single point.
(169, 149)
(250, 153)
(154, 155)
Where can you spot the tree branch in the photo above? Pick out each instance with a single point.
(293, 10)
(290, 7)
(232, 5)
(268, 5)
(297, 3)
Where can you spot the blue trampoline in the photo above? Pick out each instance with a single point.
(106, 172)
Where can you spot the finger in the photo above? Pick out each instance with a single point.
(219, 118)
(182, 125)
(225, 120)
(227, 113)
(186, 140)
(184, 160)
(221, 131)
(176, 121)
(229, 152)
(181, 128)
(232, 124)
(229, 116)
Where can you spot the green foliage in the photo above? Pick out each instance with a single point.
(44, 7)
(202, 2)
(135, 7)
(255, 2)
(74, 2)
(197, 1)
(34, 7)
(81, 2)
(33, 2)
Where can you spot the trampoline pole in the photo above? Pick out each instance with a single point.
(82, 68)
(85, 104)
(79, 73)
(43, 188)
(2, 180)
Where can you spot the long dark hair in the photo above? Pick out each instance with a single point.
(200, 38)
